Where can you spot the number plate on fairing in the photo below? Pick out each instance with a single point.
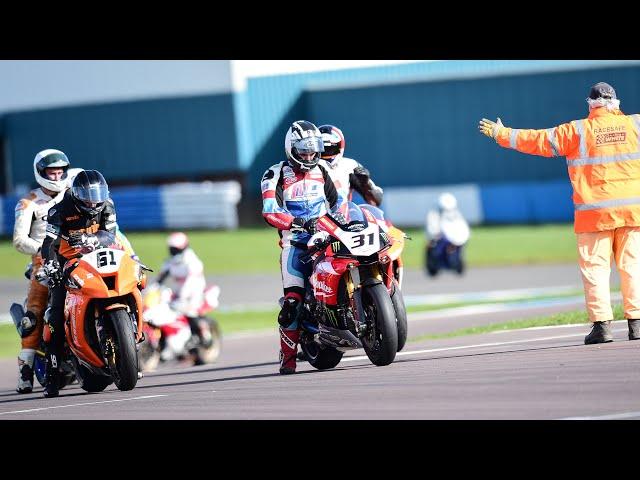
(363, 243)
(105, 260)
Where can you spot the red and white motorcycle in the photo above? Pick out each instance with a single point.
(168, 334)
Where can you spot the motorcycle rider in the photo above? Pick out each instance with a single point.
(187, 281)
(295, 193)
(347, 173)
(50, 169)
(446, 211)
(84, 209)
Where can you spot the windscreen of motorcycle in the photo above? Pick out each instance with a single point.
(362, 238)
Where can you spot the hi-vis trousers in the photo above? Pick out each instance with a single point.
(596, 250)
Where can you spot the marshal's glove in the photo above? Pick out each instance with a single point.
(489, 128)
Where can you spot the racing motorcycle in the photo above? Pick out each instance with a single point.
(395, 270)
(102, 312)
(168, 334)
(67, 373)
(348, 303)
(446, 251)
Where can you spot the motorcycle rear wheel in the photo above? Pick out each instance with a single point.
(210, 354)
(320, 357)
(401, 315)
(89, 381)
(381, 341)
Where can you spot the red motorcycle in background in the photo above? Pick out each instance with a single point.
(168, 335)
(348, 301)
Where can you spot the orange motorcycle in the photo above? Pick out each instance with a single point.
(103, 313)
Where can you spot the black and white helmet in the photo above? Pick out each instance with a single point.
(51, 158)
(303, 138)
(90, 192)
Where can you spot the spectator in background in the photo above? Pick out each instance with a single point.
(603, 159)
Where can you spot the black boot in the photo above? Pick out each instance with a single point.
(52, 377)
(634, 329)
(600, 333)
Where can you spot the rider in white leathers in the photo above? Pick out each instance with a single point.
(185, 274)
(346, 173)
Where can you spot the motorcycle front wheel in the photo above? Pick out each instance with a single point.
(381, 339)
(123, 357)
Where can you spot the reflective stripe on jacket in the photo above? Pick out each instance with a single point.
(603, 160)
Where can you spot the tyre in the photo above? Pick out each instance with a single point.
(88, 380)
(123, 360)
(210, 353)
(148, 357)
(401, 315)
(431, 263)
(67, 373)
(381, 340)
(321, 357)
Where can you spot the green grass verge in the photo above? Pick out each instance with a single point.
(566, 318)
(255, 250)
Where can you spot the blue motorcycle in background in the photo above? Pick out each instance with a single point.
(446, 251)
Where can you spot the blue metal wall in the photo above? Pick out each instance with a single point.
(130, 140)
(425, 133)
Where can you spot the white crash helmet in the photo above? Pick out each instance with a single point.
(72, 173)
(177, 242)
(303, 137)
(51, 158)
(447, 201)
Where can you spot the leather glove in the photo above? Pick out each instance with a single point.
(489, 128)
(297, 225)
(53, 272)
(310, 226)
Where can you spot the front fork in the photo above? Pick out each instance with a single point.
(354, 289)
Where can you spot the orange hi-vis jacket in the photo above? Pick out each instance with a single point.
(603, 159)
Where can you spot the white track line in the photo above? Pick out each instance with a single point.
(492, 344)
(80, 404)
(613, 416)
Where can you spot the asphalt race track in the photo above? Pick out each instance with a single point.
(541, 373)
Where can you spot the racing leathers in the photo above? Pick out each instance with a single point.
(291, 202)
(349, 175)
(28, 234)
(185, 273)
(66, 223)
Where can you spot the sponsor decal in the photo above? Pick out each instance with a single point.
(73, 217)
(611, 138)
(320, 285)
(335, 246)
(53, 229)
(356, 227)
(264, 186)
(78, 280)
